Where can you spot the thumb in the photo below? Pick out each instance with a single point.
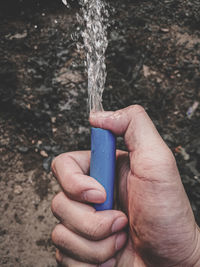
(133, 123)
(142, 140)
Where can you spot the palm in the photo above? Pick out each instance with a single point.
(153, 197)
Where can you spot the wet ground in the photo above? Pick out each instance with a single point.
(153, 59)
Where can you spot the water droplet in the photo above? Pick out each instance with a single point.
(64, 2)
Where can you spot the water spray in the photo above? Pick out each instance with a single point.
(94, 19)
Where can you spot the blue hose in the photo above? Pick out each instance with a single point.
(102, 165)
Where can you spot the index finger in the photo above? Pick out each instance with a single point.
(71, 170)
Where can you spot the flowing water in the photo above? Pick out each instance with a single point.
(94, 18)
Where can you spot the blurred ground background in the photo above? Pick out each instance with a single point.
(153, 59)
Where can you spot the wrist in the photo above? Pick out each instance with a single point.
(192, 260)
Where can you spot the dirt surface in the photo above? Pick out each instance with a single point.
(153, 59)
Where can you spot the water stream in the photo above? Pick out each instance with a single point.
(94, 18)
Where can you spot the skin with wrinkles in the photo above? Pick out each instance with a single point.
(155, 226)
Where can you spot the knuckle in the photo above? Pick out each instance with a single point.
(137, 108)
(53, 164)
(56, 160)
(59, 257)
(57, 235)
(55, 204)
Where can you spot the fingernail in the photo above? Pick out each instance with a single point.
(109, 263)
(93, 196)
(119, 224)
(120, 240)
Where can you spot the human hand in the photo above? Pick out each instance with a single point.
(162, 230)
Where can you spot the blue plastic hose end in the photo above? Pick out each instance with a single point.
(102, 164)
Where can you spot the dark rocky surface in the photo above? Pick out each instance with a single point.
(153, 59)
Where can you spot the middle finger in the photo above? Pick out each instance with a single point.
(85, 221)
